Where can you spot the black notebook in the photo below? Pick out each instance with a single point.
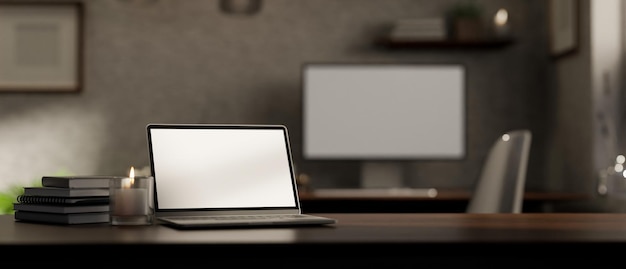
(74, 218)
(65, 192)
(61, 209)
(82, 182)
(37, 199)
(209, 176)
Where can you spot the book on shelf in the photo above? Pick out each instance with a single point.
(55, 218)
(86, 200)
(80, 182)
(61, 209)
(65, 192)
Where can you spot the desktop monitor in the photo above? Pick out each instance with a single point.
(379, 113)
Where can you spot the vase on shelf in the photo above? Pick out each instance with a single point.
(468, 29)
(466, 22)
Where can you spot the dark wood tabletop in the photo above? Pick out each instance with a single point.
(356, 238)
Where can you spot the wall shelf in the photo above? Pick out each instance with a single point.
(444, 44)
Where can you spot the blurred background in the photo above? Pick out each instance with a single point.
(241, 61)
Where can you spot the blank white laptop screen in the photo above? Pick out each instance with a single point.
(222, 167)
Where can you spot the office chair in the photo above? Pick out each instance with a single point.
(500, 188)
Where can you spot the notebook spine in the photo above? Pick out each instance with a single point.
(25, 199)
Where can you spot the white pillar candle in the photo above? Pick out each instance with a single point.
(130, 202)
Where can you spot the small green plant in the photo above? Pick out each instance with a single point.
(9, 196)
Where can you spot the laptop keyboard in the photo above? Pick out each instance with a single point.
(238, 217)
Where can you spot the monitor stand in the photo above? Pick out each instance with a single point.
(384, 175)
(381, 179)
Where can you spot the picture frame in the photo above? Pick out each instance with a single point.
(564, 27)
(41, 46)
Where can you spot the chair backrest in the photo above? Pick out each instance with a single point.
(500, 188)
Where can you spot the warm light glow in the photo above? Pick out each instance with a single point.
(130, 180)
(501, 17)
(506, 137)
(131, 174)
(126, 183)
(620, 159)
(432, 193)
(619, 168)
(624, 174)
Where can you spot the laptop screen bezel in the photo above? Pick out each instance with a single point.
(218, 211)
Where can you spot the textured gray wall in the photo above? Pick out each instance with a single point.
(173, 61)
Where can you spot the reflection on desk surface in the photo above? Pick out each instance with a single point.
(377, 192)
(423, 194)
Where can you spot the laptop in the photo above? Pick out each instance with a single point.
(225, 176)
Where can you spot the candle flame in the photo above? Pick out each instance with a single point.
(131, 174)
(127, 182)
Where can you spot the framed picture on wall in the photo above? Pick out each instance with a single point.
(40, 46)
(564, 26)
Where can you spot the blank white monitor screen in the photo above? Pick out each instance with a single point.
(383, 111)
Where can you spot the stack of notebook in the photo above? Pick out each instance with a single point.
(65, 200)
